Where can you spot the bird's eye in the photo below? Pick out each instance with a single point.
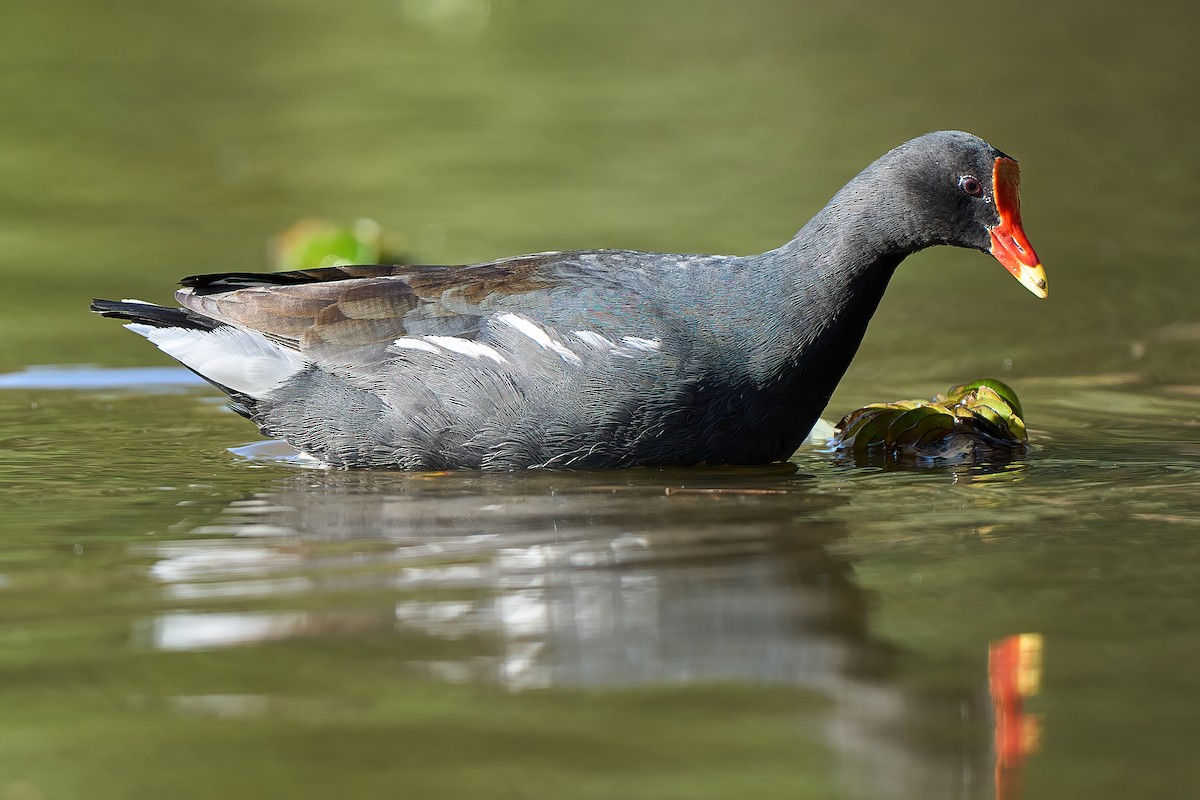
(970, 185)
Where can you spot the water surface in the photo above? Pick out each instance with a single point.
(179, 620)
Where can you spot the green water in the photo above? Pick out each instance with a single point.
(177, 620)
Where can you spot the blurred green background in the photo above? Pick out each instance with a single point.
(147, 141)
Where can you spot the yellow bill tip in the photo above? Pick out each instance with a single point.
(1034, 279)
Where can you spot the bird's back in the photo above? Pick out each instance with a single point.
(585, 359)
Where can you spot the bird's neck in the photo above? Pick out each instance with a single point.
(834, 271)
(829, 281)
(857, 238)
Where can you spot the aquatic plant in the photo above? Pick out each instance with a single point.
(980, 416)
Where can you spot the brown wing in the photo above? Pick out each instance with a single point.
(351, 314)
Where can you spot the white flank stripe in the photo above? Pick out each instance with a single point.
(244, 360)
(409, 343)
(539, 335)
(593, 339)
(638, 343)
(468, 348)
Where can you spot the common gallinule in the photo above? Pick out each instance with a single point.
(589, 358)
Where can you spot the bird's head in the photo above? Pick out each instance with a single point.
(967, 193)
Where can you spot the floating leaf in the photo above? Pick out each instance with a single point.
(855, 419)
(314, 243)
(875, 429)
(989, 419)
(999, 387)
(923, 425)
(1016, 426)
(981, 415)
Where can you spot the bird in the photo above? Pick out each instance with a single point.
(586, 359)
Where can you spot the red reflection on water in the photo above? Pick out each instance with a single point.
(1014, 673)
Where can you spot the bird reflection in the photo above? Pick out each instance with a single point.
(644, 578)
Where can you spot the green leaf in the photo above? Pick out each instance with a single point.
(999, 387)
(315, 243)
(1016, 426)
(987, 417)
(931, 421)
(987, 410)
(848, 427)
(874, 431)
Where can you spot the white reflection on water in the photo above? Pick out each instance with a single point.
(186, 630)
(569, 582)
(208, 569)
(226, 706)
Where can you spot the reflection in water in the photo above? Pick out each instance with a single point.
(1014, 673)
(641, 579)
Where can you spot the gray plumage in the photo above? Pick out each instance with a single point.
(584, 359)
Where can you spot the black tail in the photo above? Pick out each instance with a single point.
(158, 316)
(164, 317)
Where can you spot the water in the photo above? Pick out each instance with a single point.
(180, 620)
